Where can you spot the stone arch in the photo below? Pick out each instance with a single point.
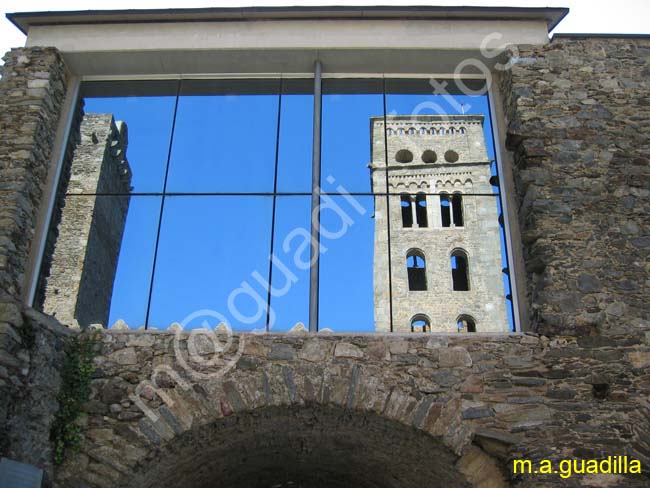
(200, 457)
(466, 322)
(266, 418)
(420, 322)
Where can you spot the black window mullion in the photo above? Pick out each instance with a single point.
(315, 202)
(162, 207)
(275, 191)
(390, 271)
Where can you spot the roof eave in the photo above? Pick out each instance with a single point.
(25, 20)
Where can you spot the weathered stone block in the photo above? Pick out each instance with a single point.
(347, 350)
(125, 356)
(453, 357)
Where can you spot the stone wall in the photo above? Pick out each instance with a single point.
(503, 396)
(32, 91)
(30, 378)
(579, 123)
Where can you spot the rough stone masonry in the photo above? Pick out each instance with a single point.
(389, 410)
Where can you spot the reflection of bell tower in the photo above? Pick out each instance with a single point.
(82, 268)
(445, 251)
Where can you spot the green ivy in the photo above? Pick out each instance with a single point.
(76, 375)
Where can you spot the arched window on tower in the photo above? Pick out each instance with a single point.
(445, 210)
(423, 131)
(465, 323)
(421, 210)
(416, 269)
(420, 323)
(407, 210)
(457, 209)
(459, 270)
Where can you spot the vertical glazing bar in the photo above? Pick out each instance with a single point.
(267, 326)
(414, 224)
(315, 203)
(162, 205)
(505, 212)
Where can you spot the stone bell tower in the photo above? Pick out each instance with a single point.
(445, 251)
(79, 285)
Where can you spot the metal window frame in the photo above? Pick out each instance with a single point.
(65, 125)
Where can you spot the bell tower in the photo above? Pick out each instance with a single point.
(445, 249)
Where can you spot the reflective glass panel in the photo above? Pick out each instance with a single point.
(290, 278)
(225, 137)
(349, 273)
(128, 124)
(350, 133)
(296, 136)
(440, 146)
(98, 263)
(211, 248)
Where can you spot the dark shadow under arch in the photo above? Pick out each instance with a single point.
(293, 447)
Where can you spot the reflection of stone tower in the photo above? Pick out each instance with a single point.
(82, 268)
(445, 250)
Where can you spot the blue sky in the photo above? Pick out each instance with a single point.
(212, 245)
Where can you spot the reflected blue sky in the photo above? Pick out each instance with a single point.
(211, 246)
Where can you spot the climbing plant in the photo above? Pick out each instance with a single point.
(76, 375)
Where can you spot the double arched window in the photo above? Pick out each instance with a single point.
(451, 210)
(407, 210)
(416, 268)
(421, 210)
(420, 214)
(420, 323)
(459, 270)
(465, 323)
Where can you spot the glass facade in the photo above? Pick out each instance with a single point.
(188, 195)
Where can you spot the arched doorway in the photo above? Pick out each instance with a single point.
(315, 446)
